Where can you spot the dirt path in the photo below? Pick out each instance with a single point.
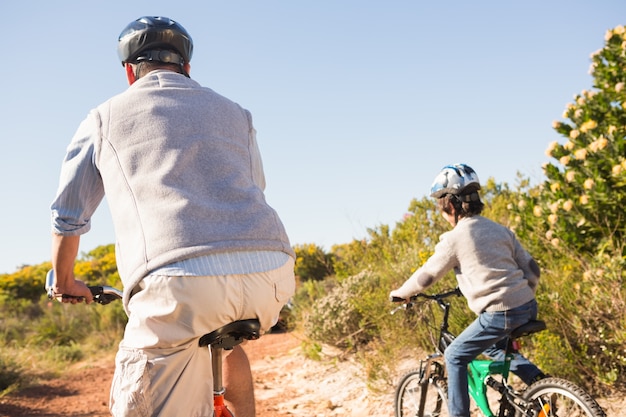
(286, 384)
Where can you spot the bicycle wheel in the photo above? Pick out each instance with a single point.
(410, 392)
(558, 397)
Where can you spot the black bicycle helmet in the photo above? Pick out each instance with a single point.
(155, 38)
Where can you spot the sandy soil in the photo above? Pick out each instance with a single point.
(286, 384)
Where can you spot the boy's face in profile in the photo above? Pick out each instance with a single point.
(446, 209)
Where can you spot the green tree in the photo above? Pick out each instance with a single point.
(577, 215)
(312, 263)
(584, 194)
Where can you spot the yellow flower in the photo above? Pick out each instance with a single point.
(555, 242)
(592, 68)
(619, 30)
(570, 176)
(608, 35)
(612, 129)
(551, 147)
(569, 107)
(574, 133)
(555, 186)
(537, 211)
(581, 154)
(568, 205)
(619, 87)
(602, 142)
(588, 125)
(569, 145)
(564, 160)
(554, 207)
(556, 124)
(584, 199)
(589, 183)
(617, 169)
(624, 164)
(553, 218)
(578, 113)
(550, 234)
(521, 204)
(587, 275)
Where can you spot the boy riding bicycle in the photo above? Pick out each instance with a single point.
(497, 276)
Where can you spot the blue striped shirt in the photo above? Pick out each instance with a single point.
(225, 264)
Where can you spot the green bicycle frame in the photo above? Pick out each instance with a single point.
(478, 371)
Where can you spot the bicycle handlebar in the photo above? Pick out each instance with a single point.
(101, 294)
(440, 296)
(435, 297)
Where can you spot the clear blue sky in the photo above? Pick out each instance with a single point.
(357, 104)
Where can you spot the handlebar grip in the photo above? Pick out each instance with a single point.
(50, 280)
(101, 295)
(398, 299)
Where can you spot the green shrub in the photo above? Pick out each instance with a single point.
(68, 353)
(10, 375)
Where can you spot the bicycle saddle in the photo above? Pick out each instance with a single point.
(531, 327)
(232, 334)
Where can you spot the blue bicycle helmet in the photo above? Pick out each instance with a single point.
(456, 179)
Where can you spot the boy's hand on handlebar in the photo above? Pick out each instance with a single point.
(394, 297)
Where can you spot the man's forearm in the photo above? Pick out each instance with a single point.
(64, 252)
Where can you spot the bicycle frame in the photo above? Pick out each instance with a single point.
(477, 379)
(479, 370)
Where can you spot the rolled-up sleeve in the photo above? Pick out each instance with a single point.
(80, 185)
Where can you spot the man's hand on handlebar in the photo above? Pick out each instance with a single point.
(97, 293)
(73, 292)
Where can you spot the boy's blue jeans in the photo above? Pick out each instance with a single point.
(489, 328)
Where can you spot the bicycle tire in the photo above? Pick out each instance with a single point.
(409, 393)
(555, 396)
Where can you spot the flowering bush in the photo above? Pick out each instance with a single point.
(577, 223)
(585, 188)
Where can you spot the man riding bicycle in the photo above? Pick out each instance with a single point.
(197, 245)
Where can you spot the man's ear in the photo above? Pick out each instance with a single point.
(130, 73)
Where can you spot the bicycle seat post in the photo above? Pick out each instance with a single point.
(217, 354)
(226, 338)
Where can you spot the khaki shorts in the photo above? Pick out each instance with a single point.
(160, 369)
